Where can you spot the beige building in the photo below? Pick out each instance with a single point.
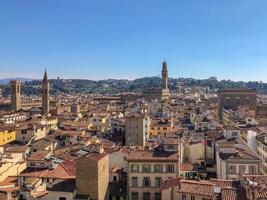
(148, 169)
(262, 151)
(234, 159)
(137, 127)
(12, 163)
(31, 132)
(99, 121)
(92, 175)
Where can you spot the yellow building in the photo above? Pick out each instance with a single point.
(7, 136)
(161, 126)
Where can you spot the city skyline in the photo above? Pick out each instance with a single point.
(128, 40)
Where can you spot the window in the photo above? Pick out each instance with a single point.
(170, 168)
(157, 196)
(146, 182)
(242, 169)
(193, 197)
(134, 181)
(183, 197)
(247, 101)
(146, 195)
(134, 195)
(158, 168)
(252, 169)
(62, 198)
(235, 134)
(146, 168)
(134, 168)
(158, 181)
(237, 101)
(231, 169)
(227, 101)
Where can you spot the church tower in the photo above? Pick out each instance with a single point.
(15, 95)
(45, 94)
(164, 73)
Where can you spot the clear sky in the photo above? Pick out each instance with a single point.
(99, 39)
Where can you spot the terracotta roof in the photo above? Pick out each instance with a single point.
(152, 155)
(203, 188)
(62, 171)
(63, 186)
(188, 167)
(169, 183)
(96, 156)
(39, 155)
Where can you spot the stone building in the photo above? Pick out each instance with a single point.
(136, 129)
(159, 93)
(45, 94)
(237, 97)
(92, 175)
(15, 94)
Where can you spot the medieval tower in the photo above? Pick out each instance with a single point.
(164, 73)
(45, 95)
(15, 94)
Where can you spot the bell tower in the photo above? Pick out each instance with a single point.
(45, 94)
(15, 94)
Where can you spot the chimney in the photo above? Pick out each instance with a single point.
(218, 193)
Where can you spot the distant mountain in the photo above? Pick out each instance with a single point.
(115, 86)
(7, 80)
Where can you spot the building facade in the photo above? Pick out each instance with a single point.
(147, 170)
(262, 151)
(237, 97)
(136, 129)
(92, 175)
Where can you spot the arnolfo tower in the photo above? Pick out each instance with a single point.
(164, 73)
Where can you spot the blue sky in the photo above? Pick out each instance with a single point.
(99, 39)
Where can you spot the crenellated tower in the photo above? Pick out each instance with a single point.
(164, 73)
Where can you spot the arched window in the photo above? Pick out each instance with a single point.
(247, 100)
(134, 168)
(227, 101)
(146, 168)
(237, 101)
(158, 168)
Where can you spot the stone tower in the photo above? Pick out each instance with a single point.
(45, 95)
(164, 73)
(15, 94)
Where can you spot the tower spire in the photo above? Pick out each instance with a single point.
(45, 79)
